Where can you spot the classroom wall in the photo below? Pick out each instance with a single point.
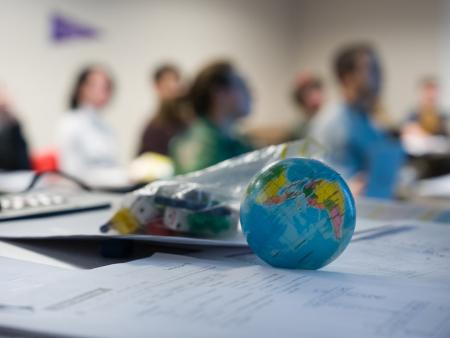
(405, 32)
(135, 37)
(444, 61)
(269, 40)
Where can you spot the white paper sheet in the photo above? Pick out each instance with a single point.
(419, 252)
(415, 251)
(17, 277)
(175, 296)
(389, 211)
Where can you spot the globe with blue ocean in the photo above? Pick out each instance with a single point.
(298, 213)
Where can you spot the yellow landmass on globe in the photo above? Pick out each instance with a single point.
(329, 191)
(272, 187)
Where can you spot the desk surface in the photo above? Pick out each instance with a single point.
(401, 250)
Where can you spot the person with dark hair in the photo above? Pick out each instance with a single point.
(361, 150)
(13, 146)
(309, 97)
(171, 117)
(219, 97)
(88, 147)
(167, 81)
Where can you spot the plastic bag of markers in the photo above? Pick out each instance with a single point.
(204, 203)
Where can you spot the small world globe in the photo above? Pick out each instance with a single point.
(298, 213)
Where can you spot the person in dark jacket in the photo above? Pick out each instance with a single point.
(13, 146)
(170, 118)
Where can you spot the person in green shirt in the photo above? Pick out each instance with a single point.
(219, 97)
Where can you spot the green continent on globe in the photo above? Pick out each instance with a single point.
(320, 193)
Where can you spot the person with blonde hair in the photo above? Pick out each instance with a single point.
(428, 118)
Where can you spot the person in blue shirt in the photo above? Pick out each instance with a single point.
(365, 154)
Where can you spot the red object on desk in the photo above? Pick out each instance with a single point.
(43, 161)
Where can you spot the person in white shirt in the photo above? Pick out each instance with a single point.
(88, 147)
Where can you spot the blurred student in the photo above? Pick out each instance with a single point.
(309, 96)
(170, 118)
(88, 146)
(364, 153)
(13, 146)
(428, 119)
(220, 97)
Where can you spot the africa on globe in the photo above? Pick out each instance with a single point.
(298, 213)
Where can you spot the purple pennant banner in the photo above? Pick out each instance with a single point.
(64, 29)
